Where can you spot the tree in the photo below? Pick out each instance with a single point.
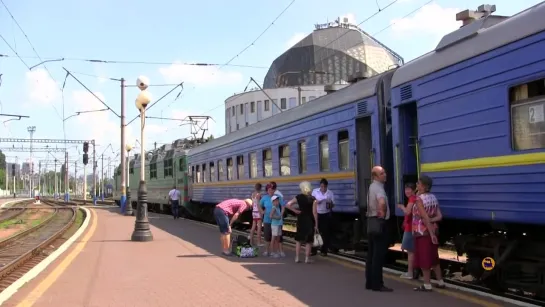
(3, 167)
(2, 160)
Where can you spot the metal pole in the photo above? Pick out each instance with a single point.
(102, 184)
(39, 177)
(55, 192)
(299, 93)
(94, 175)
(128, 202)
(142, 230)
(66, 178)
(31, 130)
(84, 183)
(124, 179)
(76, 178)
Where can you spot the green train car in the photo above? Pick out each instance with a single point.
(165, 166)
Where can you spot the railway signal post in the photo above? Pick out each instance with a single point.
(128, 203)
(142, 230)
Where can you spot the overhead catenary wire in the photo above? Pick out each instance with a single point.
(31, 45)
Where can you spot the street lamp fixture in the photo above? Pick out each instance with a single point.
(128, 202)
(142, 230)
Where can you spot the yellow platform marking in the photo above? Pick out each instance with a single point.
(48, 281)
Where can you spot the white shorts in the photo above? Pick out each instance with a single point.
(276, 230)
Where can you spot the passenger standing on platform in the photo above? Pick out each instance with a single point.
(307, 219)
(426, 214)
(277, 192)
(233, 208)
(407, 244)
(378, 212)
(326, 201)
(266, 204)
(174, 200)
(277, 212)
(257, 213)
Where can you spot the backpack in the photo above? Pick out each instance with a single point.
(241, 247)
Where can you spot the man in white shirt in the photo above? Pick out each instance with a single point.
(174, 200)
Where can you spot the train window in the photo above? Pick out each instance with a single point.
(198, 173)
(344, 154)
(283, 103)
(284, 157)
(527, 115)
(181, 165)
(153, 170)
(267, 163)
(220, 170)
(240, 167)
(204, 175)
(167, 168)
(267, 105)
(253, 165)
(302, 148)
(241, 107)
(233, 111)
(193, 174)
(324, 153)
(212, 172)
(229, 168)
(252, 107)
(303, 100)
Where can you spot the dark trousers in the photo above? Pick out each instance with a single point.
(175, 206)
(376, 254)
(325, 222)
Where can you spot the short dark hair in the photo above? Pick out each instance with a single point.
(273, 185)
(324, 182)
(410, 185)
(426, 181)
(258, 186)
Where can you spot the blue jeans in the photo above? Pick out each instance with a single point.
(222, 220)
(175, 207)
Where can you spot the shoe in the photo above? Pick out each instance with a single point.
(282, 254)
(406, 276)
(265, 254)
(297, 260)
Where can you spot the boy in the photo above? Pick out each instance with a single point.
(276, 225)
(407, 243)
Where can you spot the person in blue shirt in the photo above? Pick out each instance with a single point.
(267, 204)
(277, 222)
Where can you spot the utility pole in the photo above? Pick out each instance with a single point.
(94, 175)
(76, 178)
(39, 178)
(55, 188)
(66, 177)
(31, 130)
(102, 184)
(124, 165)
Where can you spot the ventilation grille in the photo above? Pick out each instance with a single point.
(406, 92)
(361, 108)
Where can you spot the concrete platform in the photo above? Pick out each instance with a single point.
(183, 267)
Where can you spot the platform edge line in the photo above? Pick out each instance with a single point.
(391, 271)
(35, 271)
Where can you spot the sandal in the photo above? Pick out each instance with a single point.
(421, 288)
(308, 261)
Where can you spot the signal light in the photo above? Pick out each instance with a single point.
(13, 170)
(85, 147)
(85, 159)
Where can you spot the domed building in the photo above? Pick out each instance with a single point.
(333, 55)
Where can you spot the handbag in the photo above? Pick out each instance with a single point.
(375, 225)
(317, 239)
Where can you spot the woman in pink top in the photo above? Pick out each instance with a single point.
(426, 214)
(222, 212)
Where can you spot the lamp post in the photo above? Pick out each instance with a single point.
(128, 203)
(142, 230)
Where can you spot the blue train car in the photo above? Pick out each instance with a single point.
(470, 115)
(339, 137)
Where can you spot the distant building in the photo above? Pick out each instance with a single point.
(333, 54)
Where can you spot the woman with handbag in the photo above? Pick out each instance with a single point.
(305, 206)
(325, 203)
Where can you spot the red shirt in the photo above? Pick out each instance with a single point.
(408, 220)
(232, 206)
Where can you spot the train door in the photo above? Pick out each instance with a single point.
(364, 158)
(409, 151)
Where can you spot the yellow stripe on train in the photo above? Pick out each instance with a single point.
(281, 179)
(486, 162)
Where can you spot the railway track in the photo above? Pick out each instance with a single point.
(12, 212)
(23, 250)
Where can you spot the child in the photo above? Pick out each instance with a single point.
(276, 226)
(407, 243)
(257, 212)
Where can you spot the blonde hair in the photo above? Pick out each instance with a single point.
(306, 187)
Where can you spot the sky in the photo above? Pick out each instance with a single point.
(162, 35)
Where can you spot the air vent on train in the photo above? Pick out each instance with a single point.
(361, 108)
(406, 92)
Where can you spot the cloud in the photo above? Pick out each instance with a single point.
(297, 37)
(199, 75)
(41, 88)
(432, 19)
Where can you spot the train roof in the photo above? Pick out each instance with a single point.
(472, 40)
(359, 90)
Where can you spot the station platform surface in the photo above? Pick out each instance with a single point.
(182, 266)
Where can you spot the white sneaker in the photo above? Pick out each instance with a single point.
(406, 276)
(275, 256)
(282, 254)
(265, 254)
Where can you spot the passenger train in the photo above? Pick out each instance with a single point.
(470, 114)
